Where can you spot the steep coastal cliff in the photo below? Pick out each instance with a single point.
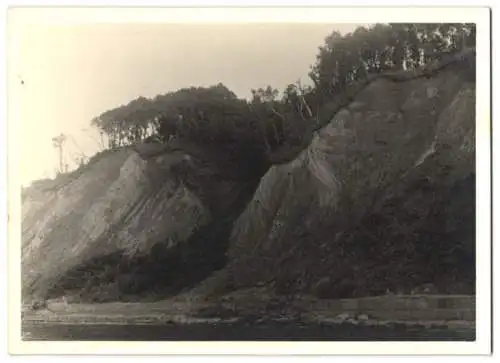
(382, 198)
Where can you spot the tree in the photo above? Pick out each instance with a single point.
(345, 59)
(58, 143)
(261, 95)
(267, 125)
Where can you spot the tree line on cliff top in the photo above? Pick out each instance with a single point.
(268, 124)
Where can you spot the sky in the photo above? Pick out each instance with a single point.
(64, 75)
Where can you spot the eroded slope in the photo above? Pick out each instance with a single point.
(382, 199)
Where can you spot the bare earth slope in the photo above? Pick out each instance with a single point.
(126, 224)
(119, 205)
(382, 199)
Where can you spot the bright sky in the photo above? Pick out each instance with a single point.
(73, 73)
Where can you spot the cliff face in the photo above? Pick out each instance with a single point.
(383, 198)
(125, 225)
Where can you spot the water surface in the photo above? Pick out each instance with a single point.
(241, 332)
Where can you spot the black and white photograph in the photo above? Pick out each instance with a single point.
(221, 175)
